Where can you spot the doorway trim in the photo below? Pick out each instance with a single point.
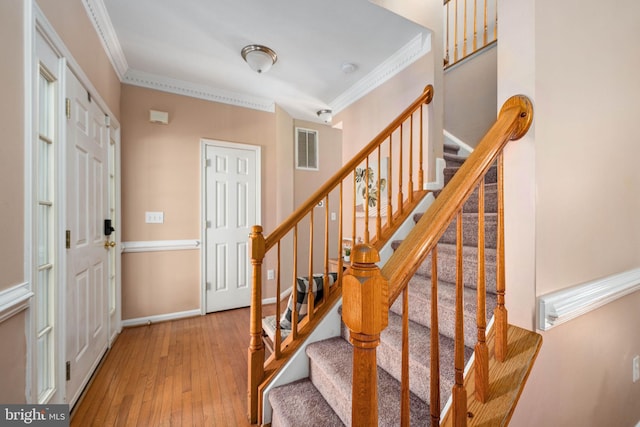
(36, 22)
(204, 143)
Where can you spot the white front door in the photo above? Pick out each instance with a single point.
(86, 295)
(232, 206)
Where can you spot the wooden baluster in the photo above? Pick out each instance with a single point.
(459, 393)
(481, 368)
(500, 310)
(310, 296)
(410, 183)
(379, 200)
(278, 336)
(325, 280)
(434, 405)
(475, 25)
(495, 26)
(446, 55)
(366, 201)
(421, 159)
(255, 356)
(365, 312)
(400, 171)
(484, 37)
(340, 234)
(455, 32)
(353, 216)
(389, 182)
(294, 288)
(404, 383)
(464, 46)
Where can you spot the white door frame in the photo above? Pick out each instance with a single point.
(37, 22)
(204, 143)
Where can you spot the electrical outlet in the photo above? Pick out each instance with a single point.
(154, 217)
(271, 274)
(333, 216)
(636, 368)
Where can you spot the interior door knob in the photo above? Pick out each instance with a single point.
(108, 244)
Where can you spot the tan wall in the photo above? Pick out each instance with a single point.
(161, 172)
(72, 24)
(13, 359)
(470, 91)
(12, 331)
(12, 145)
(577, 181)
(306, 183)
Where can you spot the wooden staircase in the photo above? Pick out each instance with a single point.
(383, 312)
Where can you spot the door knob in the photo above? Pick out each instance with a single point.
(108, 244)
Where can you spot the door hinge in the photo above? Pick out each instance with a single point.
(68, 239)
(68, 366)
(67, 108)
(208, 224)
(208, 162)
(208, 286)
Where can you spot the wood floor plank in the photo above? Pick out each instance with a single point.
(188, 372)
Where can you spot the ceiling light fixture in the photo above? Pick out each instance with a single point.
(260, 58)
(348, 67)
(325, 115)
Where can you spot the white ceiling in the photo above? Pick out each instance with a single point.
(193, 47)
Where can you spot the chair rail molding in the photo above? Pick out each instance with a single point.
(14, 299)
(160, 245)
(558, 307)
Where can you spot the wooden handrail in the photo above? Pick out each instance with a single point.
(345, 171)
(513, 122)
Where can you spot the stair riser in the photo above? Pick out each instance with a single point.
(447, 269)
(420, 312)
(470, 231)
(490, 178)
(336, 396)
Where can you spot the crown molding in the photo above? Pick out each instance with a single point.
(180, 87)
(419, 46)
(99, 17)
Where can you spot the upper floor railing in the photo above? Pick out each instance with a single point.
(470, 25)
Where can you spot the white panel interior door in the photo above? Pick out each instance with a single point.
(231, 210)
(87, 259)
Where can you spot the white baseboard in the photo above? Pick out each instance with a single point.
(439, 182)
(561, 306)
(13, 300)
(160, 318)
(283, 295)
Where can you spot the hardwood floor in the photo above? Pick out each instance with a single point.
(190, 372)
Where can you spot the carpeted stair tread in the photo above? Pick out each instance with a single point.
(490, 178)
(301, 404)
(450, 148)
(389, 354)
(453, 160)
(420, 307)
(331, 371)
(447, 254)
(490, 199)
(470, 229)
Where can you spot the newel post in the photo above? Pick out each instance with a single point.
(365, 311)
(256, 348)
